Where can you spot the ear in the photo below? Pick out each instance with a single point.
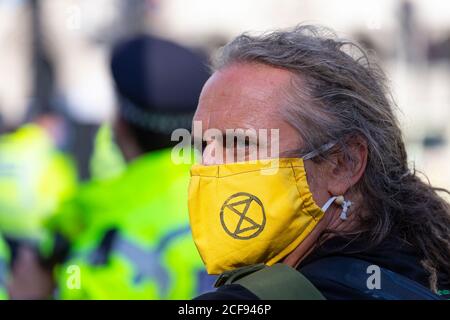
(121, 131)
(347, 166)
(125, 139)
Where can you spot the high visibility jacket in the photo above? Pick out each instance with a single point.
(131, 236)
(107, 160)
(4, 268)
(34, 178)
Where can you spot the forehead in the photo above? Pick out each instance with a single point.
(244, 96)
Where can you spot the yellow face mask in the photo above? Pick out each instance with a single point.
(243, 214)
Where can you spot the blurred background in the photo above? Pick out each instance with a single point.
(55, 60)
(58, 52)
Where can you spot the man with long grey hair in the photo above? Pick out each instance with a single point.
(344, 217)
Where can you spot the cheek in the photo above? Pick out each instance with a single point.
(289, 140)
(317, 182)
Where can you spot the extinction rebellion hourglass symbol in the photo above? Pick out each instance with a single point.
(242, 216)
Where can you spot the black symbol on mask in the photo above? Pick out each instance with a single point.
(251, 227)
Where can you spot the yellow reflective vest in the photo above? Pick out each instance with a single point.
(131, 236)
(34, 179)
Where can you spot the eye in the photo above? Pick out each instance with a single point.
(239, 142)
(245, 146)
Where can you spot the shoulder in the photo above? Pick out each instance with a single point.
(334, 290)
(229, 292)
(331, 290)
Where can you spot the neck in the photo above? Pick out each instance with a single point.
(332, 222)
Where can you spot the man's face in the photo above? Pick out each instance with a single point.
(246, 96)
(252, 96)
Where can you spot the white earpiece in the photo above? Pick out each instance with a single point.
(345, 204)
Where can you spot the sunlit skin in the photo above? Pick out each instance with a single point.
(250, 95)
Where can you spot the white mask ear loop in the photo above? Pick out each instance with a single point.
(328, 203)
(340, 201)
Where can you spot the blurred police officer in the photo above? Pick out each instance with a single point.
(130, 233)
(4, 268)
(35, 177)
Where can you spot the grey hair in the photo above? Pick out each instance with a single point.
(350, 98)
